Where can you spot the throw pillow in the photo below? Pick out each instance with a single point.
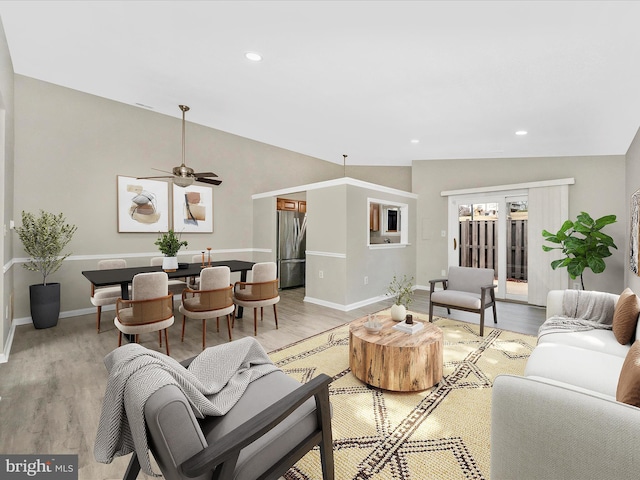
(625, 316)
(628, 390)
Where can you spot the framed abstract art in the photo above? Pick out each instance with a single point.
(193, 209)
(143, 205)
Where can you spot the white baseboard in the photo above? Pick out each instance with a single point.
(345, 308)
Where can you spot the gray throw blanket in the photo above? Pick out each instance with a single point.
(213, 383)
(581, 310)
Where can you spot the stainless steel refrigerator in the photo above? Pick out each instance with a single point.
(292, 228)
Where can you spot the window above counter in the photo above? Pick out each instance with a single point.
(388, 223)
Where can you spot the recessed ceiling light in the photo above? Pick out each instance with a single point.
(253, 56)
(521, 132)
(415, 140)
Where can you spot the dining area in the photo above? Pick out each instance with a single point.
(148, 298)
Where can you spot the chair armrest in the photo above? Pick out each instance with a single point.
(543, 430)
(228, 447)
(432, 283)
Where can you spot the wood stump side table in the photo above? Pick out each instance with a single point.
(395, 360)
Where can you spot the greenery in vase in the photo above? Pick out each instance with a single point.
(402, 290)
(43, 238)
(169, 243)
(582, 243)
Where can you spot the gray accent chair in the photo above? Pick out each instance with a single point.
(466, 288)
(274, 424)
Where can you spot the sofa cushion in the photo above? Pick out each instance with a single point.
(625, 316)
(583, 368)
(628, 390)
(597, 339)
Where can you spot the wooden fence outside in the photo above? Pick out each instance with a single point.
(479, 246)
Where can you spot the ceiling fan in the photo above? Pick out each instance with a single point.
(182, 175)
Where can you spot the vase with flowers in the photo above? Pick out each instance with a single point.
(402, 292)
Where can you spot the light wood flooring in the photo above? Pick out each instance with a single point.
(51, 389)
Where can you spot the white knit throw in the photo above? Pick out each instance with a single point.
(213, 383)
(581, 310)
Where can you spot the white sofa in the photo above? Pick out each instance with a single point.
(561, 419)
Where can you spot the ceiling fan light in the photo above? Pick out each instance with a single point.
(183, 181)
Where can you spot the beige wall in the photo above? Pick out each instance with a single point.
(6, 185)
(598, 190)
(71, 146)
(632, 173)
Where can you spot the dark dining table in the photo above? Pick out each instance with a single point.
(124, 276)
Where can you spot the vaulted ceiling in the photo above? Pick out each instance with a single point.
(385, 82)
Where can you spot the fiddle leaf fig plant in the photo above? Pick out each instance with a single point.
(582, 243)
(44, 237)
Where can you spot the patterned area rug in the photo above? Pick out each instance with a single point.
(441, 433)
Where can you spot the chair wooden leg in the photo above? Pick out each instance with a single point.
(119, 338)
(166, 341)
(229, 326)
(98, 318)
(218, 324)
(204, 333)
(184, 317)
(137, 338)
(275, 314)
(255, 321)
(495, 316)
(261, 314)
(160, 338)
(430, 312)
(482, 323)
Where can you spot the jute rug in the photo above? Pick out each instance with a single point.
(441, 433)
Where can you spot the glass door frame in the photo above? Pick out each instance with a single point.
(499, 197)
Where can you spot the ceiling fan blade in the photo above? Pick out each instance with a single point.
(205, 174)
(208, 180)
(147, 178)
(164, 171)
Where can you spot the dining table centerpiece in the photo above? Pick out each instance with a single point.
(169, 244)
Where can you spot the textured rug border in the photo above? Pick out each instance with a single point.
(324, 332)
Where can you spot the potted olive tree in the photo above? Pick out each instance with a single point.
(582, 243)
(402, 291)
(169, 244)
(44, 237)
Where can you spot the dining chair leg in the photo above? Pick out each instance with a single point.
(255, 321)
(184, 317)
(137, 338)
(204, 332)
(275, 314)
(119, 338)
(229, 326)
(261, 314)
(98, 318)
(218, 324)
(160, 338)
(166, 341)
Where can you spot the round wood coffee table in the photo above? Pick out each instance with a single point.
(395, 360)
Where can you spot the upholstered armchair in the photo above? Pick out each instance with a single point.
(149, 310)
(101, 296)
(465, 288)
(261, 292)
(214, 299)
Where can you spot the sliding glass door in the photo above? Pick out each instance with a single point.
(490, 231)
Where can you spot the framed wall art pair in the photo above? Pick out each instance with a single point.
(144, 206)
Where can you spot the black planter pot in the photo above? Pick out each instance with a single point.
(45, 304)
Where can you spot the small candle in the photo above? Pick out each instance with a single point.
(203, 258)
(209, 254)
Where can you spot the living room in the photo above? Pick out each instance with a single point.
(64, 149)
